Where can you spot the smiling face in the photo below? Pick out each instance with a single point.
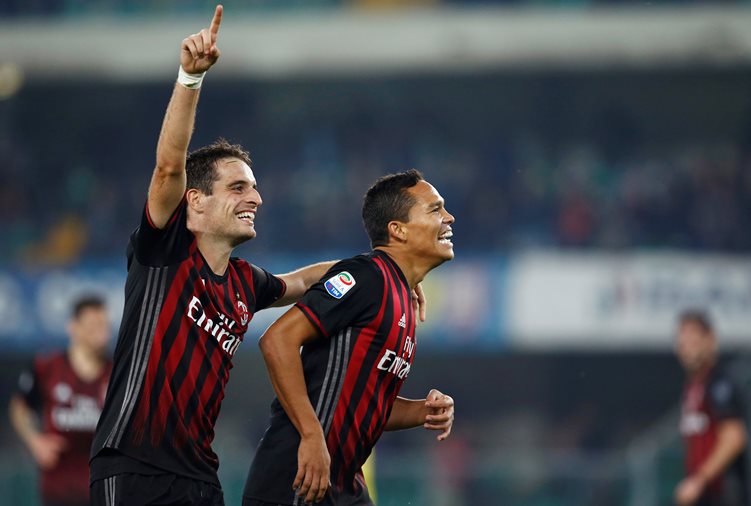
(429, 227)
(229, 212)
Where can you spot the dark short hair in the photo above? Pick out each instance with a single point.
(87, 302)
(388, 200)
(698, 317)
(200, 165)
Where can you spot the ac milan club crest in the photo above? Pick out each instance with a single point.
(243, 310)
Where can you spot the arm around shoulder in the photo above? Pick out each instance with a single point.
(300, 280)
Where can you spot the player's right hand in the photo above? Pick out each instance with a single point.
(199, 51)
(46, 449)
(313, 468)
(689, 491)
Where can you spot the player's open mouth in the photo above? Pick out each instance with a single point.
(445, 238)
(247, 217)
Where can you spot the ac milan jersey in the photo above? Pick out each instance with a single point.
(70, 407)
(707, 402)
(362, 308)
(181, 326)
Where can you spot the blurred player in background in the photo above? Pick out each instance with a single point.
(56, 408)
(713, 422)
(356, 328)
(188, 304)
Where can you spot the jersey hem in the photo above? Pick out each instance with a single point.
(112, 464)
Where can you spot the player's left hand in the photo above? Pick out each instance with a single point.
(199, 51)
(689, 491)
(418, 301)
(440, 413)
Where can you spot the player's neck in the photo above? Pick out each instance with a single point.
(216, 253)
(414, 269)
(86, 363)
(704, 371)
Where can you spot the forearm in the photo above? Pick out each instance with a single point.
(169, 180)
(23, 419)
(286, 373)
(177, 129)
(731, 439)
(300, 280)
(407, 414)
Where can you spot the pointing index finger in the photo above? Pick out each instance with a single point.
(214, 28)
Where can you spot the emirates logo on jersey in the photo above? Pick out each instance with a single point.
(397, 365)
(244, 314)
(219, 326)
(693, 423)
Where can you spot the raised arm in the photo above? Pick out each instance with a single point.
(198, 53)
(280, 345)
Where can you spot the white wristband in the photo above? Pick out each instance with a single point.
(191, 81)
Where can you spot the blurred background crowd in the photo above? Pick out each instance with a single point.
(598, 160)
(598, 165)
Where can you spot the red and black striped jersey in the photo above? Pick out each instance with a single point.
(70, 407)
(362, 308)
(706, 402)
(181, 326)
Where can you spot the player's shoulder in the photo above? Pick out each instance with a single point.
(247, 270)
(46, 362)
(362, 265)
(720, 375)
(721, 386)
(353, 275)
(52, 357)
(241, 264)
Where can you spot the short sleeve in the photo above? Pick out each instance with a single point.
(350, 294)
(157, 247)
(28, 387)
(725, 398)
(267, 287)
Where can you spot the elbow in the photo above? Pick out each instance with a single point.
(263, 343)
(266, 344)
(168, 168)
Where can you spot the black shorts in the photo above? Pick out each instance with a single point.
(255, 502)
(129, 489)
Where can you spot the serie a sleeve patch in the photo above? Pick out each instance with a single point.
(339, 284)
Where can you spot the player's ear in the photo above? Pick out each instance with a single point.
(195, 199)
(397, 230)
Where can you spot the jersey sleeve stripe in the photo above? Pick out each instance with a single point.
(312, 317)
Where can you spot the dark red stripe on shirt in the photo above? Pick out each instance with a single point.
(312, 317)
(358, 385)
(165, 318)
